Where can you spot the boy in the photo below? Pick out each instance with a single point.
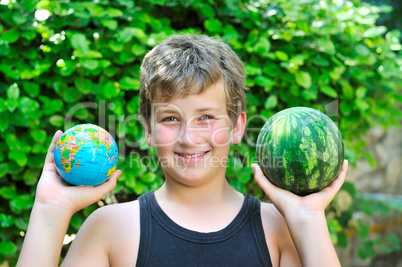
(192, 103)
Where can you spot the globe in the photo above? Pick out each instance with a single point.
(86, 154)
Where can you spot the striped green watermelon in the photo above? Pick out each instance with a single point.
(301, 150)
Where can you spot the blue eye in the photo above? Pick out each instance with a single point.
(169, 119)
(206, 117)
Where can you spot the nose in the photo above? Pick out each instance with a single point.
(190, 134)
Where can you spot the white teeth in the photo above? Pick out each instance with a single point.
(190, 156)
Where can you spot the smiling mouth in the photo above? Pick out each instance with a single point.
(190, 156)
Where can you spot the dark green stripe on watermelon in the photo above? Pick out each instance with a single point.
(301, 150)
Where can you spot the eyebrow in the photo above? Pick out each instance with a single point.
(201, 109)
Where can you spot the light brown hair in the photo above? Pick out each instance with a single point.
(189, 64)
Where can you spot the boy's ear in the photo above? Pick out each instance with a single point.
(238, 130)
(148, 133)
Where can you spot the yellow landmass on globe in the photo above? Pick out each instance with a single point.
(68, 162)
(111, 171)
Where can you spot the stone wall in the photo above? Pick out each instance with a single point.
(386, 178)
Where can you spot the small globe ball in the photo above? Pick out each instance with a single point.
(86, 154)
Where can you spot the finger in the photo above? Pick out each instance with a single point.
(109, 185)
(49, 156)
(338, 182)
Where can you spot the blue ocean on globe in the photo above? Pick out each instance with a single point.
(86, 154)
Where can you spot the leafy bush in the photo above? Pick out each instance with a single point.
(69, 62)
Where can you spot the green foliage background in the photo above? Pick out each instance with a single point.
(82, 65)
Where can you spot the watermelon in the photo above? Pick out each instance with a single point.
(300, 149)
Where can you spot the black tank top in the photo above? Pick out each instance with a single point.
(165, 243)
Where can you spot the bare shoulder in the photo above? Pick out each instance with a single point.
(280, 244)
(272, 219)
(111, 232)
(124, 226)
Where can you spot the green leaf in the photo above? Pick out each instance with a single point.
(90, 64)
(347, 90)
(51, 106)
(110, 90)
(5, 120)
(21, 223)
(31, 88)
(395, 242)
(76, 221)
(329, 91)
(18, 156)
(110, 24)
(361, 104)
(366, 250)
(342, 240)
(28, 105)
(297, 60)
(361, 92)
(213, 25)
(303, 79)
(56, 120)
(31, 176)
(271, 102)
(309, 94)
(129, 83)
(84, 85)
(350, 188)
(375, 31)
(148, 177)
(115, 46)
(132, 105)
(114, 12)
(6, 220)
(7, 248)
(207, 10)
(80, 42)
(264, 82)
(8, 192)
(68, 68)
(334, 225)
(4, 48)
(371, 160)
(13, 91)
(363, 231)
(19, 18)
(10, 36)
(325, 45)
(71, 94)
(138, 50)
(127, 34)
(22, 202)
(263, 46)
(282, 56)
(252, 70)
(38, 135)
(334, 238)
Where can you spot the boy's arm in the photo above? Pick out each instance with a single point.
(306, 222)
(55, 203)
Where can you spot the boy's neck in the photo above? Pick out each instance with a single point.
(208, 208)
(215, 193)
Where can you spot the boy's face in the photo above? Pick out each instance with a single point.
(192, 136)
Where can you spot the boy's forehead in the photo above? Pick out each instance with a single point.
(201, 107)
(212, 99)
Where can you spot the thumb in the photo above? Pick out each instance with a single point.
(268, 188)
(109, 185)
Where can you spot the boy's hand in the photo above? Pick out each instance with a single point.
(290, 205)
(54, 191)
